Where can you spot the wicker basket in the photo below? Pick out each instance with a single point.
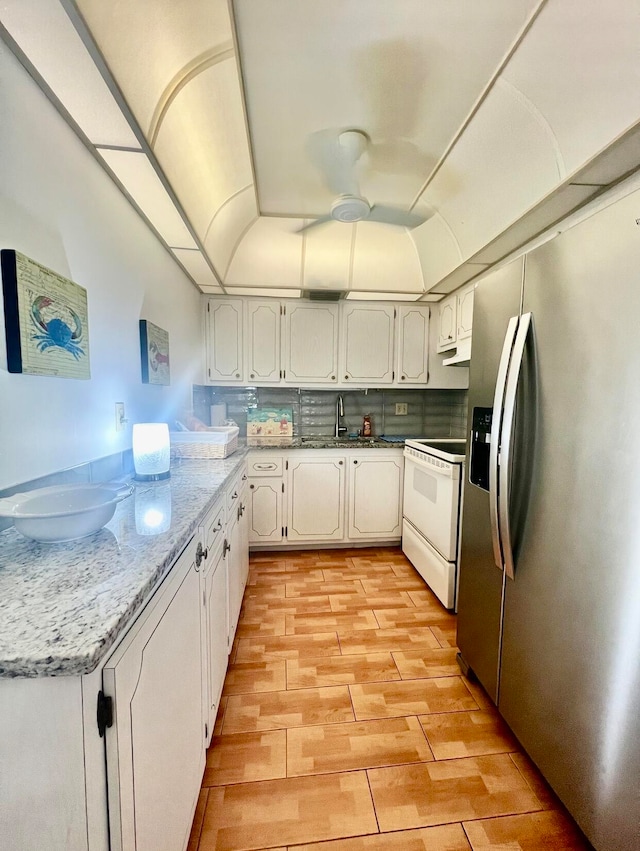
(217, 442)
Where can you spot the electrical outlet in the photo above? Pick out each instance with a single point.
(401, 409)
(120, 417)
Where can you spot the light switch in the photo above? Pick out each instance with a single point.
(120, 417)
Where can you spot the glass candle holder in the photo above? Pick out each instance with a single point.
(151, 455)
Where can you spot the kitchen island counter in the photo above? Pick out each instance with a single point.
(64, 605)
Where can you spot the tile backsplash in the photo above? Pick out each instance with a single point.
(430, 413)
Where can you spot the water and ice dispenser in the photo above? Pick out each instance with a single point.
(480, 442)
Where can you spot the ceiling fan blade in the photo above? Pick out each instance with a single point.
(322, 220)
(395, 216)
(335, 154)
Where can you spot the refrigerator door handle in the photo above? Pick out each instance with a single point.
(504, 468)
(496, 431)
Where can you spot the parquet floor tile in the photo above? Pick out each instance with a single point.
(290, 811)
(256, 608)
(419, 664)
(429, 616)
(353, 602)
(306, 589)
(355, 731)
(363, 744)
(270, 648)
(310, 624)
(530, 832)
(446, 635)
(248, 677)
(370, 641)
(278, 709)
(410, 697)
(453, 790)
(449, 837)
(246, 757)
(458, 734)
(341, 670)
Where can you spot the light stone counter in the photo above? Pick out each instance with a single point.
(62, 606)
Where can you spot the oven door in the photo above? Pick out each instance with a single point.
(431, 501)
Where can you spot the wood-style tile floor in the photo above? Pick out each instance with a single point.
(345, 724)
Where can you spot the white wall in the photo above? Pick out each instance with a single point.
(58, 207)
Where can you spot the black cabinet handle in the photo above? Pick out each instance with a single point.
(226, 548)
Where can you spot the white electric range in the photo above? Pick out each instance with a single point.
(432, 507)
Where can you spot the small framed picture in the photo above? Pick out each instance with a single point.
(154, 353)
(46, 320)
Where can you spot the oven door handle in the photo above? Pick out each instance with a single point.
(496, 434)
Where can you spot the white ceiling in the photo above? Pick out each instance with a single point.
(220, 119)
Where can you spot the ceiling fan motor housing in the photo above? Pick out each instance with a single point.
(350, 208)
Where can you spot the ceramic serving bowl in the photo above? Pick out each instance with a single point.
(63, 512)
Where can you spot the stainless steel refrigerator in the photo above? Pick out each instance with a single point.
(549, 595)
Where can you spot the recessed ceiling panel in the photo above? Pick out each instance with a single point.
(45, 34)
(407, 72)
(197, 267)
(149, 47)
(202, 143)
(385, 259)
(227, 226)
(269, 255)
(328, 256)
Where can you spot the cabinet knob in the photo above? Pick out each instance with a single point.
(333, 378)
(244, 477)
(251, 487)
(402, 377)
(252, 375)
(199, 555)
(235, 495)
(237, 375)
(355, 462)
(226, 547)
(346, 378)
(340, 462)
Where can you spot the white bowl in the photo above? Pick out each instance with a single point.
(63, 512)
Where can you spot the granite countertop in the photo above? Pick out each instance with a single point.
(63, 605)
(320, 442)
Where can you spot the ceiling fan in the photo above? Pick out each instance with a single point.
(338, 161)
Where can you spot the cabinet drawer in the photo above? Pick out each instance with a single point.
(214, 530)
(271, 466)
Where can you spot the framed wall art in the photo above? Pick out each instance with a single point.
(46, 319)
(154, 354)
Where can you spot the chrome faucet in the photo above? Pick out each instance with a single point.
(340, 428)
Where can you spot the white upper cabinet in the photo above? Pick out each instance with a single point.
(225, 340)
(464, 309)
(447, 324)
(413, 344)
(263, 341)
(311, 343)
(348, 344)
(367, 344)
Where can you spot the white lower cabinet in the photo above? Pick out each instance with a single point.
(375, 504)
(265, 510)
(156, 745)
(215, 632)
(316, 498)
(237, 560)
(324, 497)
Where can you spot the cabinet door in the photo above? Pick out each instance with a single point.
(316, 494)
(413, 344)
(155, 748)
(465, 312)
(224, 340)
(367, 343)
(311, 343)
(375, 503)
(263, 342)
(447, 324)
(265, 510)
(235, 584)
(216, 637)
